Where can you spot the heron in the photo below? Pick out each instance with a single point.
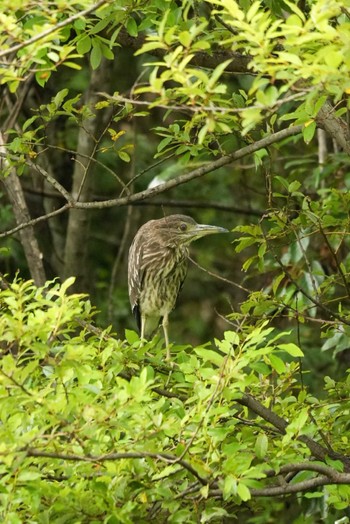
(157, 267)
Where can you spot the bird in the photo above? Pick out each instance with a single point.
(157, 267)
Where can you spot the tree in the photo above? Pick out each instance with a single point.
(169, 100)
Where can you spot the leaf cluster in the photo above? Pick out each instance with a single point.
(98, 429)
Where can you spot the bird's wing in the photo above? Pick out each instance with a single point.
(135, 277)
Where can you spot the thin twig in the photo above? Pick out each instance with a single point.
(199, 108)
(219, 277)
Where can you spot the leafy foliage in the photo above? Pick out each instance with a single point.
(95, 428)
(106, 105)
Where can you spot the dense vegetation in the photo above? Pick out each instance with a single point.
(235, 113)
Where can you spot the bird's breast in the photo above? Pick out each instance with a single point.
(163, 277)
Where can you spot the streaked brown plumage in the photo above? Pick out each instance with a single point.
(158, 266)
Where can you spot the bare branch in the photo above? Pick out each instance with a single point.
(198, 108)
(170, 184)
(208, 204)
(287, 489)
(35, 221)
(298, 487)
(305, 466)
(51, 180)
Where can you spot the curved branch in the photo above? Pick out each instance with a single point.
(288, 489)
(170, 184)
(298, 487)
(196, 173)
(327, 471)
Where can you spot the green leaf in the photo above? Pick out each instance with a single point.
(261, 445)
(150, 46)
(72, 65)
(84, 45)
(123, 155)
(309, 131)
(80, 24)
(96, 54)
(277, 281)
(60, 96)
(294, 186)
(217, 73)
(25, 476)
(229, 487)
(53, 56)
(277, 364)
(29, 121)
(41, 77)
(185, 38)
(66, 284)
(291, 349)
(102, 24)
(107, 52)
(295, 9)
(131, 27)
(231, 337)
(243, 492)
(131, 336)
(209, 356)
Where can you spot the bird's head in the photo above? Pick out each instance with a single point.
(180, 230)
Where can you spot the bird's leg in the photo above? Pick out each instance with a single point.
(143, 326)
(166, 336)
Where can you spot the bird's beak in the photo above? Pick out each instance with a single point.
(202, 230)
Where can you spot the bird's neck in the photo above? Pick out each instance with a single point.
(179, 252)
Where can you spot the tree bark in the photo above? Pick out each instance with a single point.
(76, 247)
(335, 126)
(27, 236)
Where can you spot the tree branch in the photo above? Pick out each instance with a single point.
(75, 259)
(318, 451)
(29, 242)
(335, 126)
(298, 487)
(170, 184)
(288, 489)
(304, 466)
(208, 204)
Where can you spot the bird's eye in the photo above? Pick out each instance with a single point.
(183, 226)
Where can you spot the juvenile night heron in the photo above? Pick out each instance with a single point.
(157, 268)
